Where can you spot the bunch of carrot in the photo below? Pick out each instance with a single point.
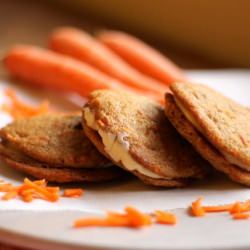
(238, 210)
(131, 217)
(81, 63)
(38, 189)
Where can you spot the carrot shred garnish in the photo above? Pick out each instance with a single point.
(196, 208)
(50, 196)
(131, 218)
(137, 218)
(241, 216)
(163, 217)
(18, 109)
(73, 192)
(216, 209)
(40, 182)
(6, 187)
(9, 195)
(28, 198)
(37, 189)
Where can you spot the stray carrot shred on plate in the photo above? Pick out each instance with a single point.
(130, 218)
(17, 109)
(163, 217)
(31, 190)
(196, 208)
(241, 216)
(73, 192)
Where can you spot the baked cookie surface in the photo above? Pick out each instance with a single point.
(222, 121)
(56, 139)
(134, 133)
(54, 147)
(202, 145)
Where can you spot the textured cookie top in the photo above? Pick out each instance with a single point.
(202, 146)
(145, 133)
(221, 120)
(56, 139)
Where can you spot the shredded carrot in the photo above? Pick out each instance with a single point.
(6, 187)
(196, 208)
(240, 207)
(241, 216)
(28, 198)
(73, 192)
(9, 195)
(31, 190)
(137, 218)
(17, 109)
(216, 209)
(163, 217)
(131, 218)
(41, 190)
(40, 182)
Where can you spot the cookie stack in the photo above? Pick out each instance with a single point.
(121, 132)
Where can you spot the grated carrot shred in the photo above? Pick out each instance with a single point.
(216, 209)
(163, 217)
(9, 195)
(17, 109)
(31, 190)
(196, 208)
(130, 218)
(241, 216)
(73, 192)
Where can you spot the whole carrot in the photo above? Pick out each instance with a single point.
(79, 44)
(52, 70)
(142, 57)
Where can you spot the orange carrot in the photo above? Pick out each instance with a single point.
(31, 190)
(6, 187)
(137, 218)
(80, 45)
(43, 191)
(27, 198)
(87, 222)
(163, 217)
(73, 192)
(142, 57)
(18, 109)
(240, 207)
(131, 218)
(220, 208)
(241, 216)
(48, 69)
(10, 195)
(196, 208)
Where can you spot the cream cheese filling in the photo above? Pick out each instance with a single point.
(191, 119)
(117, 147)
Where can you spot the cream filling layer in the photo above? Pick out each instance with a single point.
(117, 147)
(191, 119)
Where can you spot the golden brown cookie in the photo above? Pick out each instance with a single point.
(56, 139)
(135, 134)
(222, 121)
(54, 147)
(201, 144)
(40, 170)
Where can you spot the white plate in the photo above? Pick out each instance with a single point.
(42, 225)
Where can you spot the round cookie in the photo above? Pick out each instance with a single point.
(222, 121)
(40, 170)
(137, 129)
(56, 139)
(201, 145)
